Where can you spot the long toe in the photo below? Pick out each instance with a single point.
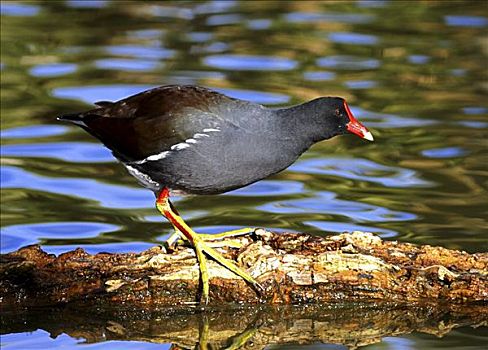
(227, 263)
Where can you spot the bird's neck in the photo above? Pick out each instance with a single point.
(306, 122)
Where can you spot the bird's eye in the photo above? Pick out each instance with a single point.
(338, 112)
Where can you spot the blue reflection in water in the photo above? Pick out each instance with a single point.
(372, 3)
(269, 188)
(327, 203)
(249, 62)
(418, 59)
(118, 247)
(259, 24)
(348, 62)
(199, 37)
(109, 196)
(225, 19)
(169, 12)
(53, 70)
(475, 110)
(91, 94)
(308, 17)
(16, 9)
(380, 120)
(339, 227)
(87, 3)
(139, 51)
(124, 64)
(33, 131)
(153, 34)
(361, 169)
(475, 124)
(360, 84)
(94, 93)
(353, 38)
(215, 47)
(214, 6)
(76, 152)
(466, 21)
(40, 339)
(319, 76)
(16, 236)
(447, 152)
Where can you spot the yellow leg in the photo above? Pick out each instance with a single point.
(201, 247)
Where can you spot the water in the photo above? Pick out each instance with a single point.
(414, 74)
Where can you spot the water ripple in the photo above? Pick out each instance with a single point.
(139, 51)
(466, 21)
(353, 38)
(361, 169)
(445, 152)
(269, 188)
(95, 4)
(418, 59)
(109, 196)
(16, 236)
(319, 76)
(118, 247)
(20, 10)
(308, 17)
(53, 70)
(360, 84)
(380, 120)
(474, 110)
(348, 62)
(327, 203)
(128, 64)
(33, 131)
(76, 152)
(249, 62)
(224, 19)
(93, 93)
(259, 24)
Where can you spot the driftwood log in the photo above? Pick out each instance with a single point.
(351, 289)
(292, 268)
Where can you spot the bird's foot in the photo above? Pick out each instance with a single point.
(202, 249)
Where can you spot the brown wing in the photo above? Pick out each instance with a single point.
(149, 122)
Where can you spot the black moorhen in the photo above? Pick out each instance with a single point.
(194, 140)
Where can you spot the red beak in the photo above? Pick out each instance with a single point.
(355, 127)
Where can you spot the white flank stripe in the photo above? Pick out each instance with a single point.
(199, 136)
(157, 156)
(180, 146)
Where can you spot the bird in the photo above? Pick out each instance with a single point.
(192, 140)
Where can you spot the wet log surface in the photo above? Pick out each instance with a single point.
(292, 268)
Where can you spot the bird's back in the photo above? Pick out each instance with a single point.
(191, 138)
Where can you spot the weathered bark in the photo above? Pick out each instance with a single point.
(292, 268)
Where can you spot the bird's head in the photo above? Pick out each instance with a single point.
(340, 119)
